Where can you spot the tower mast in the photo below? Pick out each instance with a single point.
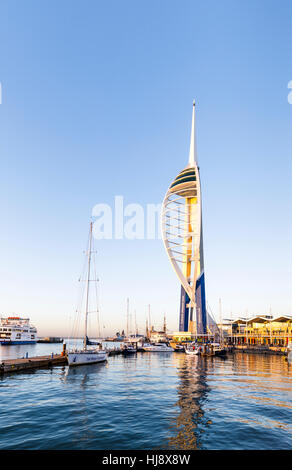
(193, 159)
(220, 320)
(127, 317)
(87, 285)
(190, 207)
(149, 318)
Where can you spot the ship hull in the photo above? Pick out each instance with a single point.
(14, 343)
(84, 358)
(155, 349)
(194, 352)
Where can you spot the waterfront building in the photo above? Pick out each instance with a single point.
(181, 336)
(261, 330)
(158, 336)
(183, 240)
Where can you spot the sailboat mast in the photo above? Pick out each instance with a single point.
(149, 318)
(128, 317)
(220, 320)
(87, 285)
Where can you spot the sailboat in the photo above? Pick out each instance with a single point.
(127, 347)
(87, 356)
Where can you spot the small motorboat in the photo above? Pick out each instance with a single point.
(217, 349)
(128, 349)
(213, 349)
(158, 347)
(193, 349)
(179, 348)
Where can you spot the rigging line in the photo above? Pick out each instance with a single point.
(189, 209)
(178, 260)
(211, 314)
(173, 209)
(80, 300)
(179, 211)
(189, 235)
(174, 243)
(181, 227)
(185, 235)
(181, 234)
(189, 255)
(174, 218)
(175, 201)
(171, 213)
(183, 245)
(96, 294)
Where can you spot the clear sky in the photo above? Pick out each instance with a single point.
(97, 102)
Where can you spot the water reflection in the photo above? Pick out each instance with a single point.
(82, 374)
(192, 393)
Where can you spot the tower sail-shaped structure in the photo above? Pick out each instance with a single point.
(183, 240)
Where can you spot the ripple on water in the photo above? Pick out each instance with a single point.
(151, 401)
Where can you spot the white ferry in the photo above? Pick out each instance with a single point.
(16, 330)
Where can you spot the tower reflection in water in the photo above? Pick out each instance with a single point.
(193, 390)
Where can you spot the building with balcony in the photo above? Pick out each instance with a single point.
(261, 330)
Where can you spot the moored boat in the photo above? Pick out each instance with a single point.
(157, 347)
(213, 349)
(17, 330)
(193, 349)
(86, 356)
(128, 349)
(219, 350)
(178, 348)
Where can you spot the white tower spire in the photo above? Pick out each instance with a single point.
(181, 221)
(193, 148)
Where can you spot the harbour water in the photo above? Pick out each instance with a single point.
(148, 401)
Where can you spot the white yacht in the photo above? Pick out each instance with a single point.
(87, 356)
(157, 347)
(16, 330)
(193, 349)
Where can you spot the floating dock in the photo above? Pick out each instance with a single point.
(280, 351)
(38, 362)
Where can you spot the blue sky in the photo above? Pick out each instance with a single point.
(97, 102)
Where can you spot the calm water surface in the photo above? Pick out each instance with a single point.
(150, 401)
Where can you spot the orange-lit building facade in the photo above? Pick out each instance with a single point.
(260, 330)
